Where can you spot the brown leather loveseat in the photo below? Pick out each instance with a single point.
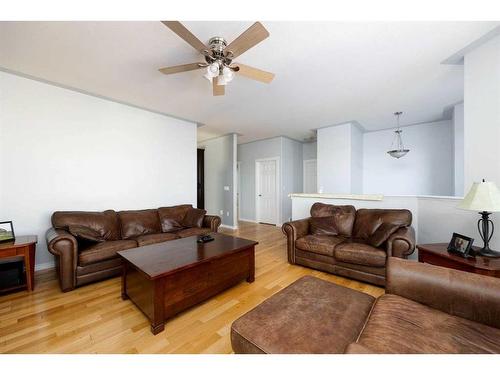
(85, 244)
(349, 242)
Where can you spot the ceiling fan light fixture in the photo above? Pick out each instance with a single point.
(212, 71)
(228, 74)
(221, 80)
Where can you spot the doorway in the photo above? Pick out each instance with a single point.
(267, 190)
(310, 176)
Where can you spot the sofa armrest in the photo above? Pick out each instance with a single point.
(212, 221)
(467, 295)
(65, 247)
(401, 243)
(294, 230)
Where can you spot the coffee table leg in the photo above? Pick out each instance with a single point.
(124, 281)
(251, 265)
(155, 329)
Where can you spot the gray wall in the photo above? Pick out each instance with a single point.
(309, 150)
(247, 154)
(458, 149)
(292, 174)
(220, 171)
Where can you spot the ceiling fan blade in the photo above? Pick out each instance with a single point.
(181, 68)
(217, 89)
(254, 73)
(249, 38)
(185, 34)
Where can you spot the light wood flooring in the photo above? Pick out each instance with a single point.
(94, 319)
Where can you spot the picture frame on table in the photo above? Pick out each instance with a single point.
(6, 231)
(461, 245)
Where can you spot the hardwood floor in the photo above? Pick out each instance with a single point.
(94, 319)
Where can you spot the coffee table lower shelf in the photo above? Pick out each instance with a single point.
(164, 297)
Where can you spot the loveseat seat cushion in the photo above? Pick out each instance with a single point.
(360, 253)
(149, 239)
(324, 245)
(400, 325)
(137, 223)
(103, 251)
(188, 232)
(105, 223)
(171, 218)
(343, 216)
(369, 220)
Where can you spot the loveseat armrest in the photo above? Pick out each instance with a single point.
(212, 221)
(65, 247)
(467, 295)
(294, 230)
(401, 243)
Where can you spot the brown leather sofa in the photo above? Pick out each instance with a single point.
(85, 244)
(349, 242)
(426, 309)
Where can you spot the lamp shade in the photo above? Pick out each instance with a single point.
(483, 196)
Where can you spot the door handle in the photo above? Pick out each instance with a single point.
(260, 195)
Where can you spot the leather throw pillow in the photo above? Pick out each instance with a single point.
(194, 218)
(323, 225)
(170, 225)
(85, 233)
(382, 234)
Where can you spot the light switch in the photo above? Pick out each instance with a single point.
(226, 188)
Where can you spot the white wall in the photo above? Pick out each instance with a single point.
(357, 152)
(334, 159)
(458, 149)
(220, 171)
(63, 150)
(482, 113)
(309, 150)
(426, 170)
(292, 174)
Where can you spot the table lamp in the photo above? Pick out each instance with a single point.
(483, 197)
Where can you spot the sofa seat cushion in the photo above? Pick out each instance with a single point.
(188, 232)
(149, 239)
(103, 251)
(400, 325)
(324, 245)
(360, 253)
(309, 316)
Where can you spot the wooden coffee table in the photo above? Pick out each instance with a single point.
(166, 278)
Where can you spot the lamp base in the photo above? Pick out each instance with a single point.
(489, 253)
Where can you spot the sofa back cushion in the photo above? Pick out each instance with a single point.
(343, 216)
(194, 218)
(369, 220)
(171, 218)
(139, 222)
(323, 225)
(105, 223)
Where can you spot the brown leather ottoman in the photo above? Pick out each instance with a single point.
(309, 316)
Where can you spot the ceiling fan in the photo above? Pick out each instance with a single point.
(219, 56)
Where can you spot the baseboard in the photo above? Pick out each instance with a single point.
(44, 266)
(228, 227)
(248, 220)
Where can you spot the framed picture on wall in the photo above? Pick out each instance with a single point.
(460, 245)
(6, 231)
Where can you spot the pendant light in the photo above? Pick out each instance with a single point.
(400, 150)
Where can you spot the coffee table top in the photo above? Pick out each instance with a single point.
(160, 259)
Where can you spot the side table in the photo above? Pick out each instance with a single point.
(437, 254)
(23, 246)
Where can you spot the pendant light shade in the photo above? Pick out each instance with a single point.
(400, 150)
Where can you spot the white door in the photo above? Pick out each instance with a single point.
(310, 176)
(267, 201)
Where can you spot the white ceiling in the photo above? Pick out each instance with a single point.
(326, 72)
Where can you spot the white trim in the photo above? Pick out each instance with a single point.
(248, 220)
(228, 227)
(278, 188)
(304, 174)
(238, 189)
(44, 266)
